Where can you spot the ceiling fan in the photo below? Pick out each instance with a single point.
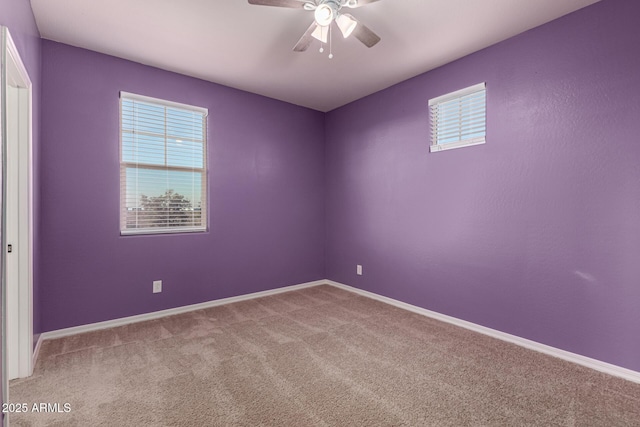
(325, 13)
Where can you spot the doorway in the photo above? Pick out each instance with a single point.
(17, 217)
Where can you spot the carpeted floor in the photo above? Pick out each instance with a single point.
(319, 356)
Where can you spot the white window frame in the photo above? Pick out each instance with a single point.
(204, 170)
(433, 114)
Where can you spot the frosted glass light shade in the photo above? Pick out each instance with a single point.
(324, 15)
(320, 33)
(347, 24)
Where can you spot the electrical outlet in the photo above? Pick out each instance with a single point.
(359, 270)
(157, 286)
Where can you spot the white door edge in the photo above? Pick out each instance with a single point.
(17, 134)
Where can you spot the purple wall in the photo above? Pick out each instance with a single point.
(535, 233)
(266, 176)
(18, 17)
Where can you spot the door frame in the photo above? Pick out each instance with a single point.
(17, 227)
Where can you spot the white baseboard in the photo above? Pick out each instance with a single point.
(169, 312)
(36, 352)
(588, 362)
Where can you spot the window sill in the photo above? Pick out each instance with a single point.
(453, 145)
(147, 231)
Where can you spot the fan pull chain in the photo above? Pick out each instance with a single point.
(329, 34)
(321, 42)
(330, 43)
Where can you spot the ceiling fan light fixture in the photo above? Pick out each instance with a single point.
(320, 33)
(347, 24)
(325, 12)
(324, 15)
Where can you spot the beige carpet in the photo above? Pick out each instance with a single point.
(315, 357)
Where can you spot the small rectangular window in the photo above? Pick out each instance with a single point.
(163, 174)
(458, 119)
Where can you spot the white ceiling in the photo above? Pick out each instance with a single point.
(250, 47)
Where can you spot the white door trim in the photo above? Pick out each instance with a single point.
(18, 212)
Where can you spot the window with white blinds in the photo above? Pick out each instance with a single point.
(163, 158)
(458, 119)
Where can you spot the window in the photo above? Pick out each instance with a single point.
(458, 119)
(163, 175)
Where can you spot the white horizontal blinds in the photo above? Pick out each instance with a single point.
(162, 166)
(459, 117)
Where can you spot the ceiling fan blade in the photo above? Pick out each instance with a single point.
(359, 3)
(293, 4)
(365, 35)
(306, 39)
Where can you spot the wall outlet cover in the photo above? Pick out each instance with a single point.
(157, 286)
